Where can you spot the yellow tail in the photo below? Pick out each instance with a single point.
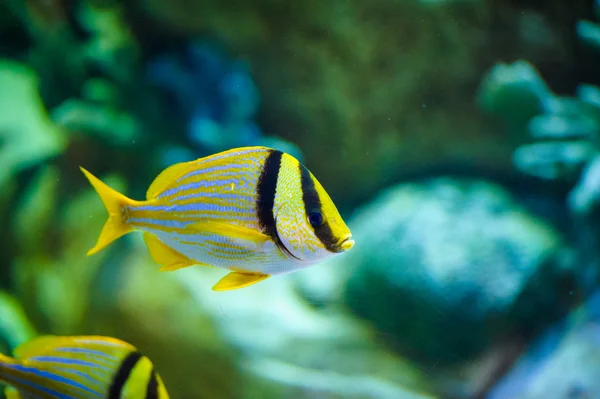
(5, 363)
(116, 225)
(7, 375)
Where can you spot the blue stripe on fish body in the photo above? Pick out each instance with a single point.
(93, 355)
(62, 360)
(37, 390)
(88, 351)
(89, 377)
(209, 175)
(56, 379)
(207, 185)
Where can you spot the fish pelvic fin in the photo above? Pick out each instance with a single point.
(169, 259)
(116, 225)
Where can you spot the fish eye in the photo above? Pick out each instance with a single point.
(315, 218)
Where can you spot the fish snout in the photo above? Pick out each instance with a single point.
(346, 243)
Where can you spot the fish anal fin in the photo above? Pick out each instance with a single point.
(165, 178)
(173, 267)
(164, 255)
(236, 280)
(247, 237)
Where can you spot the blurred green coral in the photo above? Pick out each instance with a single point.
(589, 31)
(98, 114)
(112, 45)
(15, 327)
(51, 273)
(514, 92)
(563, 131)
(27, 135)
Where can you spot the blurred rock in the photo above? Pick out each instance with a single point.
(303, 352)
(562, 364)
(259, 342)
(446, 267)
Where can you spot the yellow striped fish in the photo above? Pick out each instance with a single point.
(80, 367)
(254, 211)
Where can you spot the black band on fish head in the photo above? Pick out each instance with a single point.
(265, 200)
(314, 212)
(122, 375)
(152, 387)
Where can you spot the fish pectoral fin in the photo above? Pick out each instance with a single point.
(246, 237)
(235, 280)
(164, 255)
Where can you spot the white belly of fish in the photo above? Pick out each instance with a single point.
(222, 252)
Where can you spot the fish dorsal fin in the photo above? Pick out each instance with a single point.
(36, 346)
(165, 178)
(236, 280)
(245, 236)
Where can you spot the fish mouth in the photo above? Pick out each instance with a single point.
(346, 243)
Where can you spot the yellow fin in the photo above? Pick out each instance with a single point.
(116, 225)
(37, 346)
(164, 255)
(165, 178)
(12, 393)
(235, 280)
(238, 233)
(4, 360)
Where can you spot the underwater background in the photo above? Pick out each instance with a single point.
(460, 140)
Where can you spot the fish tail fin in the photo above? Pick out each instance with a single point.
(116, 226)
(4, 362)
(6, 371)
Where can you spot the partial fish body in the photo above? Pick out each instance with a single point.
(254, 211)
(80, 367)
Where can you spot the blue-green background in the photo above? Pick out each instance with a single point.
(458, 138)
